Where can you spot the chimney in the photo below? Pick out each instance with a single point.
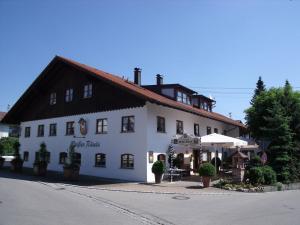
(159, 79)
(137, 76)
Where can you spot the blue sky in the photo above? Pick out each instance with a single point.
(216, 47)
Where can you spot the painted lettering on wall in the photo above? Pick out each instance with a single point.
(85, 144)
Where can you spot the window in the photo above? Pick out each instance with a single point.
(161, 124)
(48, 157)
(70, 128)
(101, 126)
(69, 95)
(208, 130)
(25, 156)
(27, 131)
(183, 97)
(196, 130)
(52, 129)
(216, 130)
(179, 127)
(88, 91)
(127, 124)
(62, 157)
(40, 132)
(53, 98)
(127, 161)
(100, 160)
(162, 157)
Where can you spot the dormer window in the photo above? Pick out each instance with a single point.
(53, 98)
(88, 91)
(69, 95)
(183, 97)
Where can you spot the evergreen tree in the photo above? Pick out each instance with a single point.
(260, 87)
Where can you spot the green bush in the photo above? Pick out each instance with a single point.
(256, 175)
(269, 175)
(158, 167)
(255, 162)
(207, 170)
(279, 186)
(7, 145)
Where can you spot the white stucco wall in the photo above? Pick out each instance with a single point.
(113, 144)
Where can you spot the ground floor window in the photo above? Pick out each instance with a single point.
(62, 157)
(100, 160)
(127, 161)
(25, 156)
(162, 157)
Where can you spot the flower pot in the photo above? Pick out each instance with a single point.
(16, 165)
(158, 178)
(40, 170)
(206, 182)
(71, 174)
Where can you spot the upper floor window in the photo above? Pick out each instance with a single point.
(62, 157)
(161, 124)
(88, 91)
(100, 160)
(183, 97)
(179, 127)
(53, 98)
(196, 129)
(69, 95)
(216, 130)
(27, 132)
(40, 132)
(127, 124)
(26, 156)
(101, 126)
(70, 128)
(52, 129)
(127, 161)
(208, 130)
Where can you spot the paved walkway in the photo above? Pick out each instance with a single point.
(166, 187)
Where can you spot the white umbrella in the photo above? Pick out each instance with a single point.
(221, 141)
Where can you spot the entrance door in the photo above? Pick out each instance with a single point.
(196, 160)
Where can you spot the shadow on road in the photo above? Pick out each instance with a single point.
(57, 177)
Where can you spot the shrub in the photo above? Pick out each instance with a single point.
(256, 175)
(158, 167)
(279, 186)
(269, 175)
(255, 162)
(207, 170)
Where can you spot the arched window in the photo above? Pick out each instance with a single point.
(162, 157)
(62, 157)
(127, 161)
(100, 160)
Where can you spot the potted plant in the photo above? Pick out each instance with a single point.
(207, 171)
(40, 164)
(71, 166)
(158, 169)
(17, 162)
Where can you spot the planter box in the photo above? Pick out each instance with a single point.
(71, 174)
(40, 170)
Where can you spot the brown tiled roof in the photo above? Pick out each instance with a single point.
(2, 114)
(149, 95)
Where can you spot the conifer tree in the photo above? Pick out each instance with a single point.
(260, 87)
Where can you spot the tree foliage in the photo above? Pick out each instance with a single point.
(7, 145)
(274, 118)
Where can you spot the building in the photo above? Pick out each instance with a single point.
(4, 128)
(119, 127)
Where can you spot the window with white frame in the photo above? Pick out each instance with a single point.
(69, 95)
(53, 98)
(127, 161)
(101, 126)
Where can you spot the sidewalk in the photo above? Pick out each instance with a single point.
(166, 187)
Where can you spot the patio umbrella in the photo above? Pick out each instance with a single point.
(218, 140)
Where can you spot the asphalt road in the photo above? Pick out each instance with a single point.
(26, 202)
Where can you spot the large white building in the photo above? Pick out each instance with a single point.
(119, 127)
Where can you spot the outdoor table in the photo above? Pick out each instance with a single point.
(176, 172)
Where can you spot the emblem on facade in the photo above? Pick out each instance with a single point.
(82, 126)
